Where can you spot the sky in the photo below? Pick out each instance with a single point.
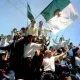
(13, 14)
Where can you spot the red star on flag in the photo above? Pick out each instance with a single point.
(59, 15)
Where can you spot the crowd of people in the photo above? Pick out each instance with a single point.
(25, 55)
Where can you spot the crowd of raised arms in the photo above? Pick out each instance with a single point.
(24, 55)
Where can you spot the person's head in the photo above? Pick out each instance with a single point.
(8, 37)
(47, 53)
(23, 30)
(51, 48)
(18, 35)
(29, 38)
(71, 44)
(69, 61)
(3, 36)
(14, 30)
(40, 23)
(59, 51)
(33, 22)
(60, 40)
(63, 37)
(76, 51)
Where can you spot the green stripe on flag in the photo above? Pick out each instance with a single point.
(29, 14)
(54, 8)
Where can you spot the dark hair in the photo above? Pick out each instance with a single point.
(14, 29)
(59, 50)
(22, 28)
(26, 38)
(33, 21)
(40, 22)
(75, 50)
(71, 43)
(50, 47)
(29, 36)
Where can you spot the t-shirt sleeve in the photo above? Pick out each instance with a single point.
(56, 58)
(37, 46)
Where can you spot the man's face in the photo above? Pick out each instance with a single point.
(14, 30)
(9, 37)
(18, 35)
(33, 22)
(60, 40)
(3, 36)
(52, 49)
(41, 23)
(49, 54)
(29, 39)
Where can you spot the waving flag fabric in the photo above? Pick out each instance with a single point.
(59, 14)
(29, 13)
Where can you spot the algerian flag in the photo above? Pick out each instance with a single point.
(29, 14)
(59, 14)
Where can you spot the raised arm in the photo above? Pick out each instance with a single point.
(48, 41)
(55, 41)
(7, 47)
(61, 55)
(68, 40)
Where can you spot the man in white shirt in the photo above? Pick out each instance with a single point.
(77, 58)
(13, 33)
(49, 65)
(29, 49)
(42, 31)
(3, 41)
(29, 52)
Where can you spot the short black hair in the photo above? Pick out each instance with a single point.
(71, 43)
(29, 36)
(40, 22)
(75, 50)
(59, 50)
(22, 28)
(50, 47)
(33, 21)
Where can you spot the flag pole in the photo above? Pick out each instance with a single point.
(40, 12)
(27, 13)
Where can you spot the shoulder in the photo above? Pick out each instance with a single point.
(36, 28)
(45, 59)
(35, 44)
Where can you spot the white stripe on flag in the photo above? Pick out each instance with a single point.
(63, 19)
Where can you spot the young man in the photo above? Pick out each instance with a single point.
(29, 52)
(32, 30)
(49, 65)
